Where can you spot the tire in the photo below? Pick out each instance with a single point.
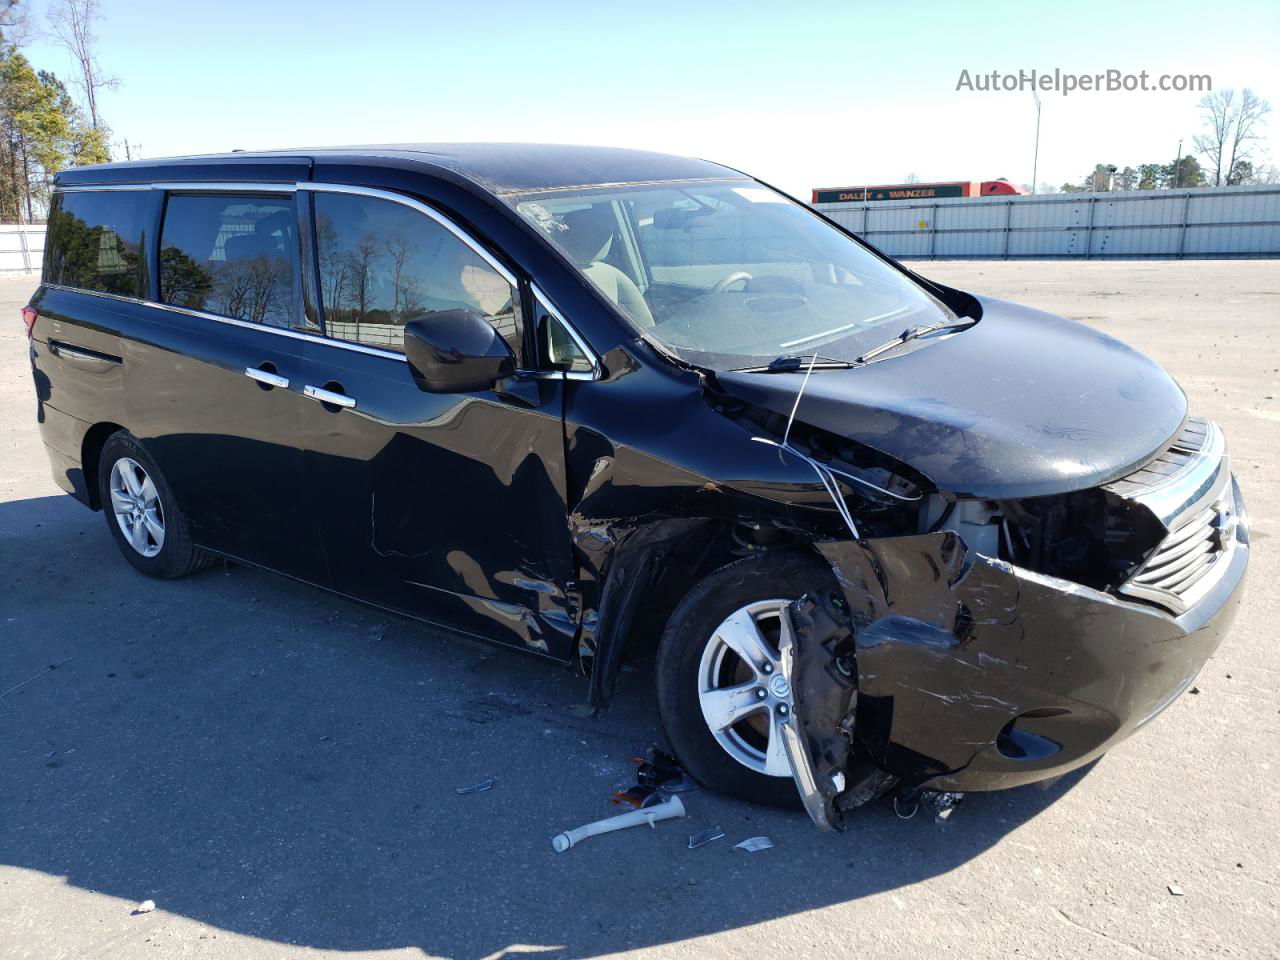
(691, 657)
(142, 513)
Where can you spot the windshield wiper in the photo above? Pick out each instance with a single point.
(792, 364)
(914, 333)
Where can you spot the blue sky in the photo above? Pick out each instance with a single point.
(802, 94)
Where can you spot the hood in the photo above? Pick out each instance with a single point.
(1022, 404)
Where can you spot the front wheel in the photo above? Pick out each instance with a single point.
(719, 686)
(142, 513)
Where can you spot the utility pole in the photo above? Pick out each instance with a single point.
(1177, 167)
(1035, 162)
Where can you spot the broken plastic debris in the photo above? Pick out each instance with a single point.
(660, 811)
(1175, 890)
(663, 771)
(480, 787)
(754, 844)
(658, 776)
(704, 837)
(146, 906)
(942, 803)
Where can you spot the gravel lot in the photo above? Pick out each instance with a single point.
(275, 767)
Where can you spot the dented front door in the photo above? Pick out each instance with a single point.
(448, 507)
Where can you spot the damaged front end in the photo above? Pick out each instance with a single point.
(995, 630)
(942, 666)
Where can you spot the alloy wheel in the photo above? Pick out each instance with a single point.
(742, 691)
(136, 504)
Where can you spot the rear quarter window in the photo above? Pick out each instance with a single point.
(95, 241)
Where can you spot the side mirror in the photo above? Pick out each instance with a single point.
(456, 351)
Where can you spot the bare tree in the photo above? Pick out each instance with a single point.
(334, 270)
(1234, 128)
(1268, 173)
(1250, 116)
(1219, 109)
(15, 25)
(72, 24)
(360, 264)
(399, 249)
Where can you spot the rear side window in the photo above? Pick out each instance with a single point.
(236, 256)
(95, 241)
(383, 264)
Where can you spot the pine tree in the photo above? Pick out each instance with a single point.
(42, 131)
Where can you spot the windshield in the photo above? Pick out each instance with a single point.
(729, 274)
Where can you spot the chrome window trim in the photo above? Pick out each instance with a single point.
(541, 297)
(182, 186)
(425, 210)
(248, 325)
(218, 186)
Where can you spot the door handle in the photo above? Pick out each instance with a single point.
(329, 397)
(86, 358)
(266, 377)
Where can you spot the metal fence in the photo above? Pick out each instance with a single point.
(21, 247)
(1157, 224)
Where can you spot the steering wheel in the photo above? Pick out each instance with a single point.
(726, 282)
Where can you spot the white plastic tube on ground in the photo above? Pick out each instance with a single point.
(650, 815)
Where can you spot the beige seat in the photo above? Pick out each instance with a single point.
(588, 241)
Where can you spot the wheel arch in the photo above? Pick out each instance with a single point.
(651, 568)
(95, 439)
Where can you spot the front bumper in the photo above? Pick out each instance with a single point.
(973, 674)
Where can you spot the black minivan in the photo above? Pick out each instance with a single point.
(884, 534)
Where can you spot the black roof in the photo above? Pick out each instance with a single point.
(497, 167)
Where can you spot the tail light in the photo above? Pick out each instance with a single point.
(29, 317)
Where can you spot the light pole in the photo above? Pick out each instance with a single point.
(1035, 163)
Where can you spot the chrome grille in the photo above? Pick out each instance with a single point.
(1175, 458)
(1188, 487)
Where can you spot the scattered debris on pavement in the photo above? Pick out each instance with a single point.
(48, 669)
(480, 787)
(906, 803)
(650, 815)
(658, 774)
(1175, 890)
(943, 804)
(703, 837)
(146, 906)
(754, 844)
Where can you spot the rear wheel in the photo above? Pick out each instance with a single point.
(142, 514)
(719, 686)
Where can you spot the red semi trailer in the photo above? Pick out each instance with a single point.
(917, 191)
